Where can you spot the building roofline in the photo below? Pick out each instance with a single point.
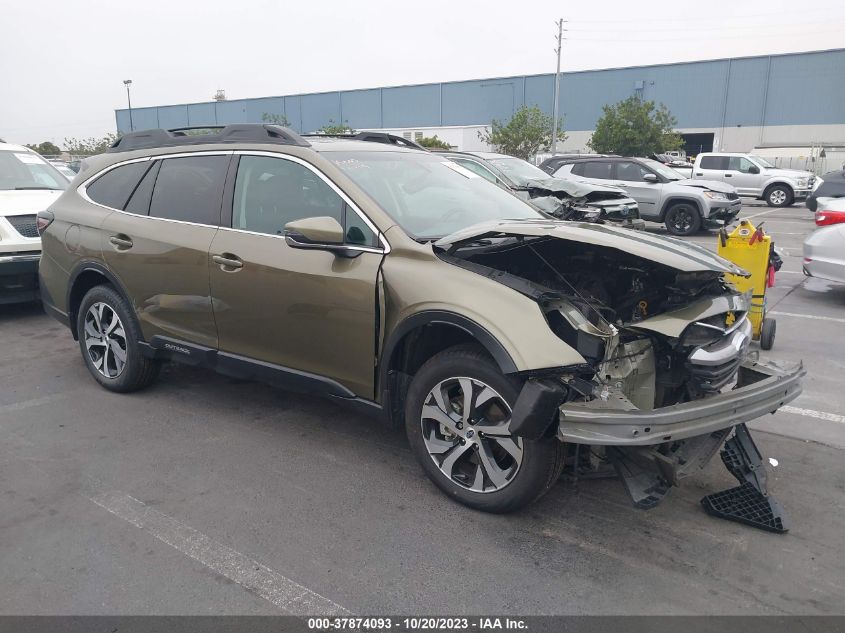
(500, 78)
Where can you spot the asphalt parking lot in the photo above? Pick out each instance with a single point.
(206, 495)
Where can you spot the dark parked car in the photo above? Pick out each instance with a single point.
(832, 186)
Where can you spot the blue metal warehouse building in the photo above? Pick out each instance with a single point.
(729, 104)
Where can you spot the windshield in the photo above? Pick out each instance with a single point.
(519, 171)
(663, 170)
(428, 196)
(762, 162)
(25, 170)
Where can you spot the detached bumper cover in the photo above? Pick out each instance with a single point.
(761, 388)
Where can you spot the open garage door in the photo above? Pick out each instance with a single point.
(694, 144)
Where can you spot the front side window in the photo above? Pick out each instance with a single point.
(114, 187)
(762, 162)
(740, 163)
(190, 189)
(429, 196)
(630, 172)
(27, 170)
(270, 192)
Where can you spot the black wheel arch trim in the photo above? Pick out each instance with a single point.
(443, 317)
(676, 199)
(78, 270)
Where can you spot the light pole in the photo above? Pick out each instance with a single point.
(557, 84)
(127, 83)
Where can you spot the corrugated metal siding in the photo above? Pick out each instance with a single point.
(794, 89)
(810, 85)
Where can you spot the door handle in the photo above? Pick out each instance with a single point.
(121, 242)
(698, 173)
(728, 175)
(227, 260)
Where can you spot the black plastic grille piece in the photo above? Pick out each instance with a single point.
(24, 224)
(713, 377)
(748, 505)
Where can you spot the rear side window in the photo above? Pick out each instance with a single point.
(113, 188)
(190, 189)
(714, 162)
(597, 169)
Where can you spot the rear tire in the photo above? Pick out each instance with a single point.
(108, 338)
(683, 218)
(779, 196)
(473, 458)
(767, 333)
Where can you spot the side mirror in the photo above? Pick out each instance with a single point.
(652, 178)
(320, 233)
(753, 169)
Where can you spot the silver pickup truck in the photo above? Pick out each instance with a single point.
(755, 177)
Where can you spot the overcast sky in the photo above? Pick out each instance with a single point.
(62, 63)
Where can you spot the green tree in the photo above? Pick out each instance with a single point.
(46, 148)
(528, 131)
(89, 146)
(433, 142)
(635, 128)
(334, 129)
(275, 119)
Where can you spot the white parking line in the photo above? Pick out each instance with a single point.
(808, 316)
(26, 404)
(810, 413)
(250, 574)
(756, 215)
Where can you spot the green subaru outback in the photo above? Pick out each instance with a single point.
(510, 345)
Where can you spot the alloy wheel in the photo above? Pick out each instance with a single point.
(682, 220)
(466, 430)
(778, 197)
(105, 340)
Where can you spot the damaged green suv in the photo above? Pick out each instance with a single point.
(507, 343)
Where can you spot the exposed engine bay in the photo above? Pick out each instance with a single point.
(595, 298)
(667, 376)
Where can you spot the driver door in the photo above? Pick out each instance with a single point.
(308, 314)
(745, 182)
(630, 176)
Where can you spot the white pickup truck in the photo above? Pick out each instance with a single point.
(754, 177)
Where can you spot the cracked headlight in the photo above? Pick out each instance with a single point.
(715, 195)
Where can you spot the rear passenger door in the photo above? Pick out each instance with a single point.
(157, 245)
(712, 168)
(308, 316)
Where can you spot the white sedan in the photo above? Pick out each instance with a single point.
(824, 249)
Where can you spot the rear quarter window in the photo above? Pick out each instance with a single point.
(114, 187)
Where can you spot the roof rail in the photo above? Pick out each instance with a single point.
(373, 137)
(238, 133)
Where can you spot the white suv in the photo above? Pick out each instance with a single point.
(28, 184)
(755, 177)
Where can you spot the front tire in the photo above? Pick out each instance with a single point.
(683, 218)
(779, 196)
(108, 339)
(457, 418)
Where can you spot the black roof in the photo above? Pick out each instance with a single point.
(238, 133)
(373, 137)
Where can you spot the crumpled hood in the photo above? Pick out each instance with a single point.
(569, 187)
(26, 202)
(682, 256)
(712, 185)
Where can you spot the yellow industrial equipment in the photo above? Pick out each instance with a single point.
(749, 248)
